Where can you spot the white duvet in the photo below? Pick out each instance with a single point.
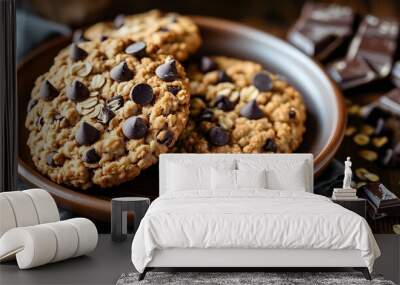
(250, 219)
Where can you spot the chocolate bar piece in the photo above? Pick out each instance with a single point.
(391, 101)
(374, 46)
(396, 74)
(351, 72)
(381, 199)
(321, 29)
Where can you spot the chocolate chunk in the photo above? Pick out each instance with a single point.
(222, 102)
(39, 122)
(105, 115)
(103, 38)
(391, 158)
(116, 103)
(174, 89)
(322, 29)
(90, 156)
(391, 101)
(32, 103)
(163, 29)
(50, 159)
(121, 72)
(87, 134)
(270, 146)
(142, 94)
(223, 77)
(218, 136)
(252, 111)
(47, 91)
(167, 71)
(137, 49)
(119, 21)
(206, 115)
(77, 92)
(207, 64)
(78, 37)
(165, 137)
(351, 73)
(134, 128)
(292, 114)
(262, 82)
(396, 74)
(76, 53)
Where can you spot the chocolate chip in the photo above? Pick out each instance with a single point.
(270, 146)
(174, 89)
(206, 115)
(142, 94)
(76, 53)
(105, 115)
(103, 38)
(119, 21)
(32, 103)
(87, 134)
(292, 114)
(262, 82)
(134, 128)
(222, 102)
(116, 103)
(50, 159)
(77, 92)
(218, 136)
(223, 77)
(121, 72)
(78, 37)
(163, 29)
(137, 49)
(90, 156)
(207, 64)
(39, 122)
(167, 71)
(165, 137)
(47, 91)
(252, 111)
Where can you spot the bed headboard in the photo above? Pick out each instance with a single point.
(209, 159)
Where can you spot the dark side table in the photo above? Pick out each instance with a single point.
(357, 205)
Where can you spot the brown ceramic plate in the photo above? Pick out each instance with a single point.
(325, 123)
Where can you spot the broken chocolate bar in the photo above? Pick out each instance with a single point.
(381, 199)
(373, 49)
(322, 29)
(391, 101)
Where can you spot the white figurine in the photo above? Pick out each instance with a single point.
(347, 174)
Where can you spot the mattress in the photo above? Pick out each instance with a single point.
(253, 218)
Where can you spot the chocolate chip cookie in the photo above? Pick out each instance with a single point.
(100, 115)
(238, 107)
(152, 32)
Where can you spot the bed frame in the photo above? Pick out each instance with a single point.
(241, 259)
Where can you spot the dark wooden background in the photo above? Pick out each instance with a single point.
(274, 16)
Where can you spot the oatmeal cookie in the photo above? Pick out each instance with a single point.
(154, 32)
(237, 107)
(100, 115)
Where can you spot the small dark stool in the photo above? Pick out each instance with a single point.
(119, 213)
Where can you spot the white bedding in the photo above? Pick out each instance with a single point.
(250, 219)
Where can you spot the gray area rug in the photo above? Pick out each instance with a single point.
(243, 278)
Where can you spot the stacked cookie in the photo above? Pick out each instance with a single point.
(118, 97)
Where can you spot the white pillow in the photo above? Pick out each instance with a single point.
(287, 175)
(223, 179)
(183, 176)
(251, 178)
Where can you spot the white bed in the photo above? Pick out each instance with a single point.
(248, 227)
